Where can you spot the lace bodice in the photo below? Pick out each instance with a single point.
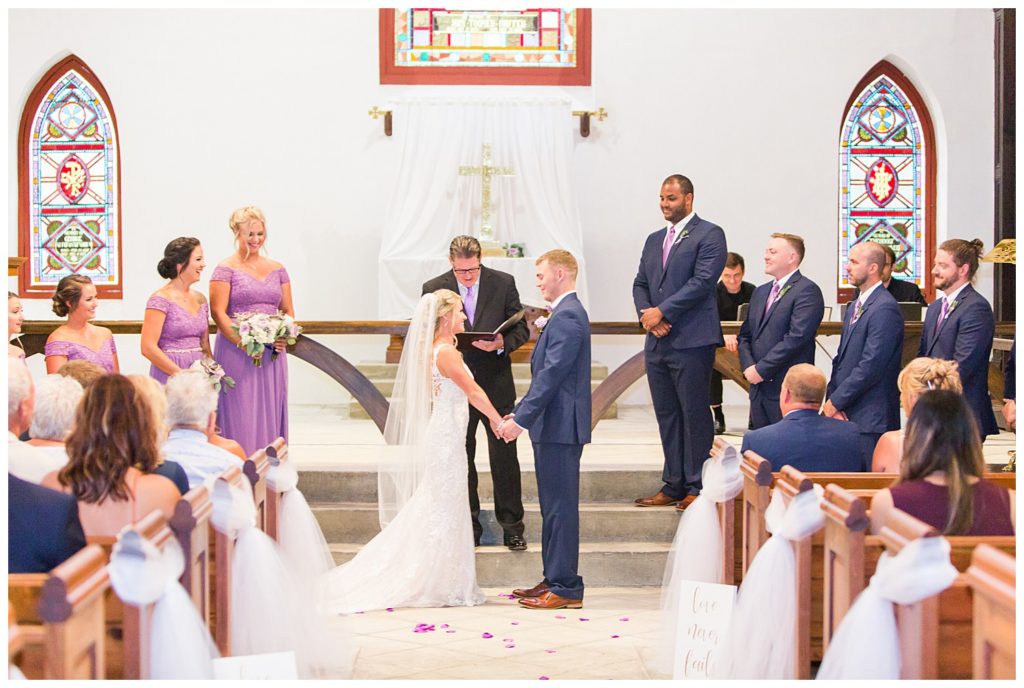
(249, 294)
(75, 351)
(444, 389)
(182, 331)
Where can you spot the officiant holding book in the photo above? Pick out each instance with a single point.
(489, 298)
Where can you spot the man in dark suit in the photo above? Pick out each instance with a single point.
(960, 326)
(901, 290)
(780, 327)
(804, 439)
(864, 371)
(556, 411)
(43, 528)
(674, 296)
(489, 298)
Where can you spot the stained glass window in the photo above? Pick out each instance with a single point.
(886, 176)
(69, 183)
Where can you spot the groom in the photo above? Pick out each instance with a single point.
(556, 411)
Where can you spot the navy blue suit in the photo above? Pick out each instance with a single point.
(43, 528)
(865, 369)
(1010, 374)
(556, 411)
(808, 442)
(965, 336)
(776, 341)
(679, 364)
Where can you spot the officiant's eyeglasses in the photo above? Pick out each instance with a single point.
(466, 271)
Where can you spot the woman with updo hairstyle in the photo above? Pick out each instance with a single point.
(176, 327)
(919, 376)
(112, 452)
(255, 412)
(79, 339)
(15, 318)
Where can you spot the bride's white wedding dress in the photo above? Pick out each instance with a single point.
(424, 557)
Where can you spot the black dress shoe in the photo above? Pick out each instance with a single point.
(515, 543)
(719, 427)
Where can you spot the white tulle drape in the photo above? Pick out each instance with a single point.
(180, 644)
(866, 645)
(761, 642)
(432, 203)
(696, 552)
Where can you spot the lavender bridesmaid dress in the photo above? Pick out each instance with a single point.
(75, 351)
(181, 336)
(255, 412)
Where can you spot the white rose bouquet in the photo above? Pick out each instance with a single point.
(214, 373)
(259, 331)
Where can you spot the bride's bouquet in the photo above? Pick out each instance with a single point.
(214, 372)
(259, 331)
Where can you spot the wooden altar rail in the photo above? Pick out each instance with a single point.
(34, 333)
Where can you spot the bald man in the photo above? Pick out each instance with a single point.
(803, 439)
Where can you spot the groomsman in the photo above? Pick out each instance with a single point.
(863, 385)
(901, 290)
(960, 326)
(489, 297)
(674, 296)
(780, 327)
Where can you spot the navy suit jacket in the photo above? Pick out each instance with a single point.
(556, 408)
(808, 442)
(965, 336)
(865, 369)
(685, 289)
(1010, 374)
(785, 337)
(43, 528)
(902, 291)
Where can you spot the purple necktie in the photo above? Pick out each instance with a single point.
(942, 314)
(771, 297)
(469, 303)
(669, 240)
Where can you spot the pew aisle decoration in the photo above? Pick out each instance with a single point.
(696, 553)
(866, 645)
(761, 643)
(141, 575)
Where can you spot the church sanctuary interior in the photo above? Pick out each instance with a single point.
(326, 160)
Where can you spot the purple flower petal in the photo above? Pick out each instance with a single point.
(551, 652)
(615, 636)
(624, 618)
(449, 631)
(559, 616)
(444, 625)
(543, 678)
(390, 609)
(514, 623)
(509, 647)
(486, 635)
(584, 619)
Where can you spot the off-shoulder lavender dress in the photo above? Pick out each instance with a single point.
(255, 412)
(75, 351)
(181, 336)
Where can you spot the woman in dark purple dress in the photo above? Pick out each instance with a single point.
(255, 412)
(176, 328)
(78, 339)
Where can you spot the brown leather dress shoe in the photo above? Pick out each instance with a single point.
(550, 600)
(660, 499)
(535, 591)
(687, 501)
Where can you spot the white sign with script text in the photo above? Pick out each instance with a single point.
(705, 610)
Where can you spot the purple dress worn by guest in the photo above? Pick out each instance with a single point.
(75, 351)
(181, 336)
(255, 412)
(930, 503)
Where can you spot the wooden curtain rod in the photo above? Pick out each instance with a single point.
(601, 114)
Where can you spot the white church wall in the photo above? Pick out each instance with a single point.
(219, 108)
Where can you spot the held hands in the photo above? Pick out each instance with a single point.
(831, 411)
(650, 317)
(507, 429)
(753, 377)
(497, 343)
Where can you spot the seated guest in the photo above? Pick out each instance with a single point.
(940, 476)
(917, 377)
(192, 414)
(23, 460)
(153, 392)
(57, 398)
(113, 434)
(803, 439)
(225, 443)
(84, 372)
(43, 529)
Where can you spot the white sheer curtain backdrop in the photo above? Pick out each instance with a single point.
(432, 203)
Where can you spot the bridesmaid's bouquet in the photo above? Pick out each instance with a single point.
(259, 331)
(214, 373)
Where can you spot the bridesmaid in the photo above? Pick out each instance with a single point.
(255, 412)
(176, 328)
(79, 339)
(15, 317)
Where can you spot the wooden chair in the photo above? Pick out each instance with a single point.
(993, 581)
(276, 454)
(790, 483)
(190, 524)
(757, 479)
(255, 469)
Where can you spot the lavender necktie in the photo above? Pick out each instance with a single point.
(469, 304)
(942, 314)
(771, 297)
(669, 240)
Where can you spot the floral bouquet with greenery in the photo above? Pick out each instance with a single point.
(214, 372)
(259, 331)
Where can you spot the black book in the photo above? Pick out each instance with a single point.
(466, 339)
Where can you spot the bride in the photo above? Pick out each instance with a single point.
(423, 556)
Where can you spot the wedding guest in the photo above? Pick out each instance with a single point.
(192, 415)
(153, 392)
(1010, 388)
(57, 400)
(82, 371)
(919, 376)
(255, 412)
(43, 528)
(218, 440)
(78, 338)
(940, 479)
(176, 327)
(15, 317)
(23, 460)
(731, 292)
(113, 435)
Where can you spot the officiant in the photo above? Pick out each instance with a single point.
(489, 297)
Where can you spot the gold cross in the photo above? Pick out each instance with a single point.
(486, 171)
(377, 112)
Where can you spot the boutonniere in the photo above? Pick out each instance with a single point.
(541, 321)
(952, 307)
(783, 292)
(685, 233)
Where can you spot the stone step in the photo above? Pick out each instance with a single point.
(357, 522)
(605, 486)
(386, 371)
(626, 564)
(356, 410)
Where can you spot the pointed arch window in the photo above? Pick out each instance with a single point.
(69, 204)
(887, 176)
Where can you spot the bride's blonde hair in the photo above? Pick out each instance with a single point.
(447, 302)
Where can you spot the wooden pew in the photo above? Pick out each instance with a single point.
(757, 478)
(845, 552)
(276, 454)
(190, 524)
(224, 548)
(790, 483)
(993, 581)
(255, 469)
